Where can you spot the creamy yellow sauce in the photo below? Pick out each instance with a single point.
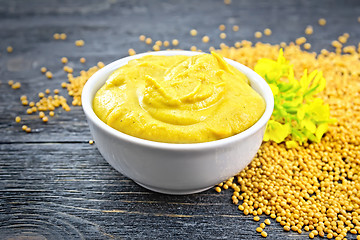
(178, 99)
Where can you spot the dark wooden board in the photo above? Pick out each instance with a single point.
(53, 184)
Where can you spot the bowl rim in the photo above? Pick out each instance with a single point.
(87, 102)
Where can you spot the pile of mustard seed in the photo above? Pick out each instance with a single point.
(315, 187)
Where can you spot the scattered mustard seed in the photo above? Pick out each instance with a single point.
(307, 46)
(309, 30)
(166, 43)
(193, 48)
(175, 42)
(235, 28)
(79, 43)
(17, 119)
(227, 2)
(48, 74)
(193, 32)
(56, 36)
(264, 234)
(9, 49)
(205, 39)
(91, 142)
(63, 36)
(301, 40)
(24, 127)
(131, 52)
(41, 114)
(267, 31)
(64, 60)
(28, 130)
(222, 27)
(47, 91)
(256, 218)
(322, 21)
(148, 41)
(222, 35)
(63, 84)
(258, 34)
(51, 114)
(142, 38)
(259, 229)
(16, 85)
(11, 82)
(156, 47)
(267, 221)
(45, 119)
(43, 69)
(159, 43)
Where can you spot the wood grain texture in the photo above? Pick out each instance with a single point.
(53, 184)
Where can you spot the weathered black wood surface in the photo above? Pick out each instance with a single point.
(53, 184)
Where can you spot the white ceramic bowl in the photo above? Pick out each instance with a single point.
(175, 168)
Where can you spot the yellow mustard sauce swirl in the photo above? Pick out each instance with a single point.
(178, 99)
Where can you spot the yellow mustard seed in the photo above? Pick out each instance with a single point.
(9, 49)
(79, 43)
(56, 36)
(11, 82)
(262, 225)
(45, 119)
(218, 189)
(300, 40)
(307, 46)
(131, 52)
(41, 115)
(259, 229)
(175, 42)
(256, 218)
(17, 119)
(24, 127)
(43, 69)
(82, 60)
(31, 104)
(34, 109)
(156, 47)
(23, 97)
(258, 34)
(222, 35)
(64, 60)
(267, 221)
(24, 102)
(193, 32)
(63, 84)
(48, 74)
(41, 95)
(99, 64)
(235, 28)
(237, 44)
(267, 31)
(51, 114)
(309, 30)
(159, 43)
(47, 91)
(16, 85)
(29, 111)
(56, 91)
(322, 21)
(205, 39)
(222, 27)
(264, 234)
(148, 41)
(166, 43)
(227, 2)
(63, 36)
(91, 142)
(193, 48)
(28, 130)
(142, 38)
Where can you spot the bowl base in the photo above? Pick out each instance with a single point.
(173, 192)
